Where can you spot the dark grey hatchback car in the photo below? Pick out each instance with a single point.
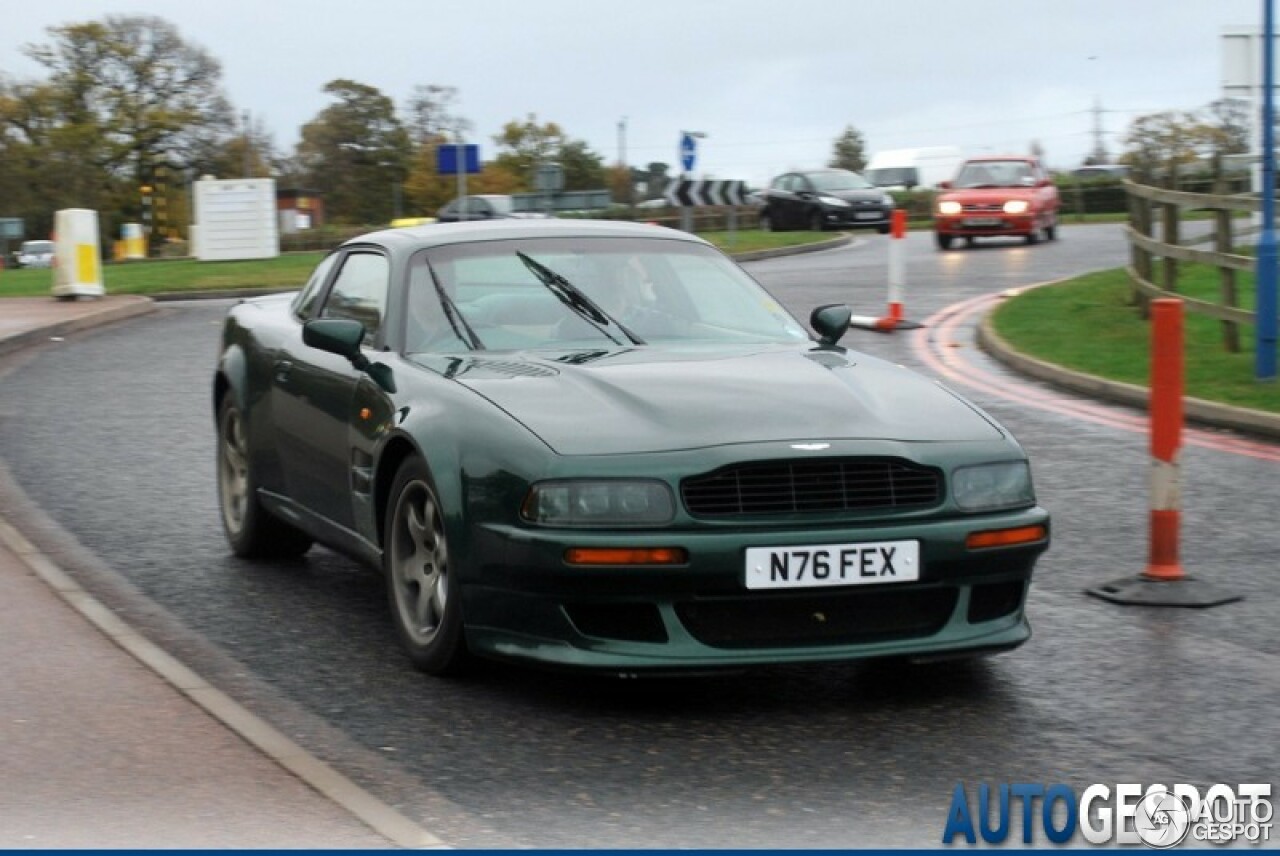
(825, 199)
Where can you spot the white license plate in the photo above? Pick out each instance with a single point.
(867, 215)
(983, 221)
(833, 565)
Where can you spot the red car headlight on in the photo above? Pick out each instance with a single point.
(1016, 206)
(949, 208)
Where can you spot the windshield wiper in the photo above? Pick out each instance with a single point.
(453, 316)
(569, 294)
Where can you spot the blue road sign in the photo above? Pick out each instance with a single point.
(688, 152)
(447, 158)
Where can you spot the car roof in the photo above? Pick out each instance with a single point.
(437, 234)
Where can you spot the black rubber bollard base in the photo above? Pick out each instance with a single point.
(1143, 591)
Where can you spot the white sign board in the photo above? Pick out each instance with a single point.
(236, 219)
(1242, 62)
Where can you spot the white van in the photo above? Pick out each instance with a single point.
(904, 169)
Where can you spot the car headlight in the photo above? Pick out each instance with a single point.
(988, 487)
(949, 207)
(833, 201)
(599, 502)
(1015, 206)
(887, 200)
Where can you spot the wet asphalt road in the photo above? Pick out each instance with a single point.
(110, 437)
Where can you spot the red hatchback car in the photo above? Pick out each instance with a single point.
(996, 197)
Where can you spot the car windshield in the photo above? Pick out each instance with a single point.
(994, 173)
(838, 179)
(483, 296)
(34, 247)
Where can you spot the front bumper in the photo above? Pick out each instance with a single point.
(525, 603)
(857, 217)
(986, 225)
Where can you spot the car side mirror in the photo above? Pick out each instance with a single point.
(830, 322)
(342, 336)
(945, 185)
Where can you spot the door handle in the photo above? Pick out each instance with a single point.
(283, 367)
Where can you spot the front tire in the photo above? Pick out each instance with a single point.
(944, 241)
(767, 223)
(817, 223)
(251, 530)
(422, 586)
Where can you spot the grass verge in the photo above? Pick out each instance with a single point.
(1090, 324)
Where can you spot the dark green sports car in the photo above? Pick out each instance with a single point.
(605, 446)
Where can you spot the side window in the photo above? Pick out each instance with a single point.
(307, 299)
(360, 292)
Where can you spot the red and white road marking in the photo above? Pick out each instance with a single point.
(945, 345)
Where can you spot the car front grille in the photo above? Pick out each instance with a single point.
(983, 208)
(826, 618)
(790, 487)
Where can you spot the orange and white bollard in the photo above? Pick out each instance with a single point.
(1166, 440)
(897, 268)
(894, 319)
(1164, 583)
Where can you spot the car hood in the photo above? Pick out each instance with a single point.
(980, 195)
(655, 399)
(873, 194)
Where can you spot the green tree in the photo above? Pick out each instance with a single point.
(523, 146)
(432, 115)
(248, 153)
(356, 152)
(126, 98)
(1227, 130)
(583, 168)
(1161, 146)
(153, 97)
(45, 162)
(849, 151)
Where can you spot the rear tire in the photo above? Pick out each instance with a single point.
(422, 585)
(252, 531)
(1051, 231)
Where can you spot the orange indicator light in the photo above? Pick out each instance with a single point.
(1006, 537)
(626, 556)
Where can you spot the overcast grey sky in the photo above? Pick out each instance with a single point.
(771, 82)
